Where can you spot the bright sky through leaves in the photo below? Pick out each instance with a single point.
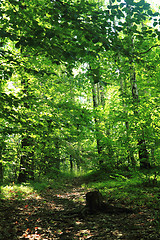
(154, 3)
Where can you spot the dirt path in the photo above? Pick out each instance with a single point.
(44, 217)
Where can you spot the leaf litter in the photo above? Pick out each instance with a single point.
(42, 217)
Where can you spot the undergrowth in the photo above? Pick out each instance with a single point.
(33, 189)
(133, 188)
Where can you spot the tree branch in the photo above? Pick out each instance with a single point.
(157, 45)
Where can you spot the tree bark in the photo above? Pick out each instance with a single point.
(71, 163)
(143, 152)
(26, 170)
(99, 100)
(131, 159)
(1, 172)
(1, 164)
(95, 105)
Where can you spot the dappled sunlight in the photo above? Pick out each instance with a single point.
(14, 191)
(77, 195)
(79, 120)
(45, 216)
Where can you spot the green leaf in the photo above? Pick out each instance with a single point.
(122, 5)
(150, 12)
(154, 35)
(144, 28)
(118, 29)
(129, 2)
(155, 24)
(141, 3)
(156, 14)
(114, 12)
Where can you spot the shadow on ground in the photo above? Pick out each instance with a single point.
(45, 217)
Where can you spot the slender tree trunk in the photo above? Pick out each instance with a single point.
(98, 100)
(102, 98)
(95, 105)
(57, 153)
(1, 172)
(71, 163)
(26, 170)
(143, 152)
(1, 164)
(131, 159)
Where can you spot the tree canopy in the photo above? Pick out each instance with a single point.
(79, 86)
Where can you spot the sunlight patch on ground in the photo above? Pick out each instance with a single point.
(75, 196)
(19, 192)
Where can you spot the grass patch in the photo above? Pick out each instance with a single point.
(18, 192)
(33, 189)
(130, 189)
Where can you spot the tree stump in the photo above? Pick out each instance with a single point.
(95, 204)
(94, 201)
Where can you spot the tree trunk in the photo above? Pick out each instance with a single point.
(143, 153)
(1, 172)
(98, 100)
(1, 164)
(131, 159)
(71, 163)
(95, 105)
(57, 153)
(26, 170)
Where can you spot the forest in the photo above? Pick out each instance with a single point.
(79, 110)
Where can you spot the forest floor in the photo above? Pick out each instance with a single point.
(45, 216)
